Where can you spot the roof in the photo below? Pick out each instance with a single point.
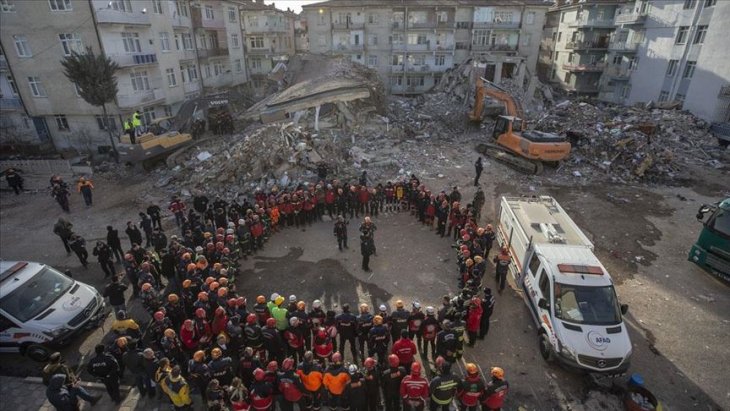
(11, 278)
(569, 4)
(250, 5)
(546, 222)
(424, 3)
(560, 255)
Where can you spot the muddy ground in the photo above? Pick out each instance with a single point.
(678, 316)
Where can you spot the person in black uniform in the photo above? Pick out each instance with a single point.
(347, 328)
(104, 367)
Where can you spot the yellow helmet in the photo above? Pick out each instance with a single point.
(472, 369)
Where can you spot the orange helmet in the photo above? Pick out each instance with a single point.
(214, 286)
(378, 320)
(146, 287)
(498, 373)
(187, 284)
(170, 333)
(301, 305)
(203, 296)
(199, 355)
(222, 292)
(261, 299)
(216, 353)
(209, 280)
(472, 369)
(190, 267)
(223, 281)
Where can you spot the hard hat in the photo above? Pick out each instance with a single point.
(216, 353)
(274, 296)
(188, 323)
(187, 283)
(466, 253)
(416, 368)
(472, 369)
(272, 366)
(261, 299)
(469, 262)
(159, 316)
(241, 221)
(146, 287)
(480, 230)
(301, 305)
(294, 321)
(232, 302)
(364, 308)
(377, 320)
(399, 304)
(200, 313)
(417, 305)
(337, 358)
(191, 267)
(498, 373)
(251, 319)
(321, 333)
(430, 310)
(292, 298)
(393, 360)
(214, 286)
(489, 227)
(199, 355)
(223, 281)
(478, 259)
(203, 296)
(222, 292)
(219, 311)
(248, 352)
(369, 362)
(352, 369)
(279, 300)
(271, 322)
(169, 333)
(173, 298)
(446, 324)
(287, 364)
(465, 237)
(241, 301)
(186, 256)
(316, 304)
(383, 307)
(209, 280)
(259, 374)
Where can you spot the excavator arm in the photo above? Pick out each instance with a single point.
(498, 93)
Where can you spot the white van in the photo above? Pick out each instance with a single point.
(41, 308)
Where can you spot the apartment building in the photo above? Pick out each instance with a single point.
(411, 43)
(269, 38)
(685, 57)
(167, 51)
(15, 125)
(575, 44)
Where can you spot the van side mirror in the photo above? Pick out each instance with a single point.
(542, 303)
(702, 211)
(624, 309)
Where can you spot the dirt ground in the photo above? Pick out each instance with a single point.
(677, 318)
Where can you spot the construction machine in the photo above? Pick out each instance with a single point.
(514, 145)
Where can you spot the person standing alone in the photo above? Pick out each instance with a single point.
(84, 187)
(478, 167)
(341, 232)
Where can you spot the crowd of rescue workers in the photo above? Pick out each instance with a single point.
(203, 336)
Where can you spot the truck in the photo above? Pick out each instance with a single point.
(42, 308)
(568, 292)
(712, 250)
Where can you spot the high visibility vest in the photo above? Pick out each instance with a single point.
(136, 120)
(127, 124)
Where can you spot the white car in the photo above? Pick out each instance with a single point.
(41, 308)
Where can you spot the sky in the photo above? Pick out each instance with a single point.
(295, 5)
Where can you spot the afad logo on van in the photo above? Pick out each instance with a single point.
(597, 340)
(73, 304)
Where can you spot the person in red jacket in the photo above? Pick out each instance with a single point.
(414, 389)
(220, 321)
(202, 329)
(335, 380)
(496, 391)
(471, 389)
(188, 337)
(295, 339)
(261, 392)
(257, 233)
(329, 200)
(290, 386)
(177, 207)
(322, 345)
(363, 198)
(405, 349)
(474, 320)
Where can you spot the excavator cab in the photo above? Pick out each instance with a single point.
(505, 125)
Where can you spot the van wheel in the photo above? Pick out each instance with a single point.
(37, 353)
(545, 350)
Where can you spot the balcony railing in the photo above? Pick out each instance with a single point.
(445, 47)
(12, 103)
(582, 88)
(494, 47)
(589, 22)
(196, 15)
(131, 60)
(207, 53)
(221, 80)
(191, 86)
(266, 29)
(627, 47)
(111, 16)
(397, 25)
(422, 25)
(724, 91)
(586, 45)
(619, 73)
(449, 24)
(347, 25)
(187, 55)
(630, 18)
(497, 25)
(140, 98)
(595, 67)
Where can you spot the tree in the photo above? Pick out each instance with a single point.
(94, 77)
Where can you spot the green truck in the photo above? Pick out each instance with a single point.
(712, 249)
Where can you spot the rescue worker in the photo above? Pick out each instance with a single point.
(261, 392)
(177, 207)
(78, 246)
(279, 312)
(364, 324)
(254, 335)
(335, 380)
(446, 342)
(295, 339)
(478, 167)
(391, 381)
(355, 393)
(471, 389)
(103, 255)
(474, 320)
(340, 232)
(247, 364)
(443, 388)
(398, 320)
(367, 248)
(415, 324)
(487, 310)
(322, 345)
(414, 389)
(405, 350)
(347, 329)
(496, 391)
(137, 123)
(501, 262)
(290, 386)
(371, 375)
(378, 338)
(60, 193)
(311, 375)
(64, 230)
(177, 389)
(220, 367)
(489, 237)
(429, 329)
(104, 367)
(198, 372)
(114, 291)
(85, 187)
(134, 362)
(272, 341)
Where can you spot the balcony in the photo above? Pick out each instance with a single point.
(623, 47)
(496, 25)
(398, 25)
(10, 103)
(449, 24)
(584, 68)
(350, 47)
(191, 87)
(209, 53)
(444, 47)
(582, 88)
(260, 51)
(221, 80)
(586, 45)
(140, 98)
(132, 60)
(187, 55)
(586, 22)
(630, 18)
(419, 47)
(422, 25)
(266, 29)
(196, 15)
(348, 25)
(423, 68)
(110, 16)
(619, 73)
(724, 91)
(396, 68)
(494, 47)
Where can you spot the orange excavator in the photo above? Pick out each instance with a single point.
(514, 145)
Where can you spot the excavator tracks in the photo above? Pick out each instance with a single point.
(507, 157)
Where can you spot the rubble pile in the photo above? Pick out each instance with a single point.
(631, 144)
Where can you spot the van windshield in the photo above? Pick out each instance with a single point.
(37, 294)
(587, 305)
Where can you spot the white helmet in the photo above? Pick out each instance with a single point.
(316, 304)
(293, 321)
(292, 298)
(416, 305)
(430, 310)
(352, 368)
(241, 221)
(382, 307)
(274, 296)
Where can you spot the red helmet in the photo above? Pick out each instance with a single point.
(336, 358)
(466, 253)
(220, 230)
(200, 313)
(273, 366)
(159, 316)
(465, 237)
(271, 322)
(219, 312)
(322, 333)
(416, 369)
(288, 364)
(462, 232)
(439, 362)
(188, 323)
(259, 374)
(251, 319)
(369, 363)
(393, 360)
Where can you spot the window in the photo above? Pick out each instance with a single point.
(168, 110)
(187, 41)
(634, 63)
(534, 264)
(60, 5)
(416, 81)
(372, 61)
(700, 35)
(234, 41)
(503, 17)
(530, 17)
(461, 45)
(256, 63)
(164, 41)
(131, 43)
(544, 284)
(257, 42)
(617, 59)
(13, 87)
(663, 96)
(679, 97)
(207, 71)
(237, 65)
(7, 6)
(689, 4)
(231, 14)
(71, 42)
(22, 47)
(171, 80)
(689, 69)
(463, 25)
(108, 124)
(480, 37)
(625, 91)
(710, 3)
(442, 17)
(682, 35)
(209, 12)
(140, 82)
(61, 122)
(396, 81)
(396, 59)
(562, 17)
(372, 18)
(157, 6)
(672, 68)
(417, 60)
(181, 8)
(36, 87)
(560, 36)
(526, 38)
(557, 53)
(148, 115)
(120, 5)
(417, 39)
(218, 68)
(440, 60)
